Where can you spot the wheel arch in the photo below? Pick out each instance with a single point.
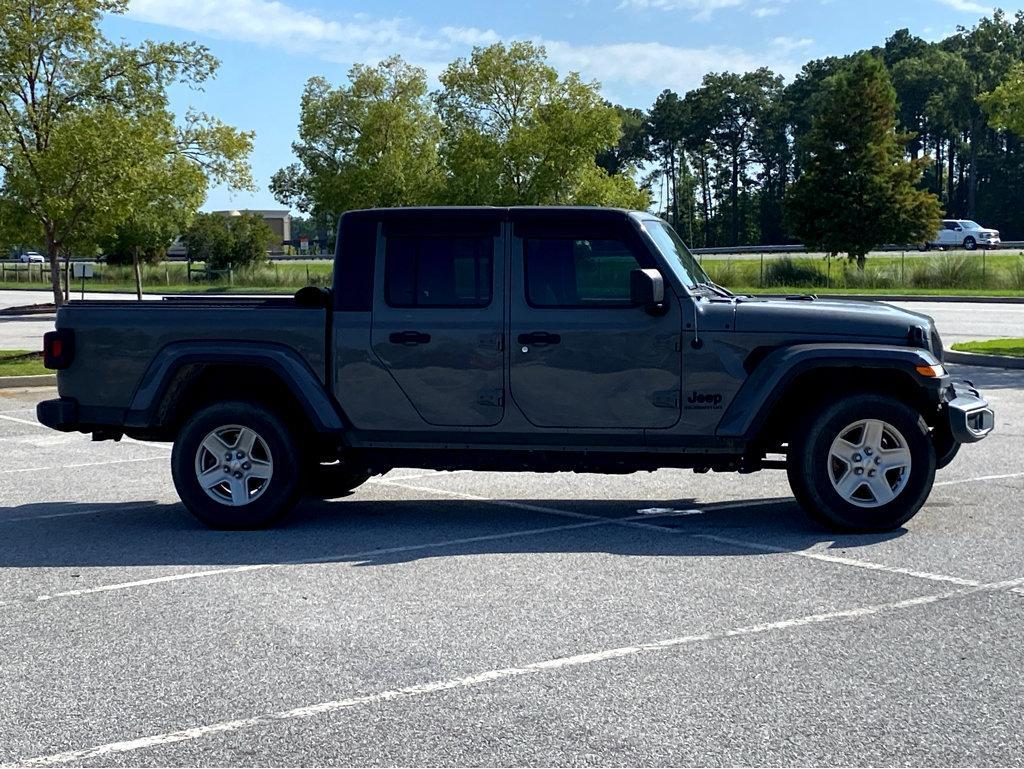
(185, 377)
(791, 380)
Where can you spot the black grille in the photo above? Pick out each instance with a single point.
(936, 344)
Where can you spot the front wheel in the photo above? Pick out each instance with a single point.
(234, 466)
(864, 464)
(970, 243)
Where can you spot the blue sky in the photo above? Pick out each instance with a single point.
(635, 48)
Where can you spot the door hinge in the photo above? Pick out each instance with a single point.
(667, 399)
(493, 341)
(491, 398)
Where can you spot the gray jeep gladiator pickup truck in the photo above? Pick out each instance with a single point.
(539, 339)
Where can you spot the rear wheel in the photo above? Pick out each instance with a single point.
(866, 463)
(970, 243)
(234, 466)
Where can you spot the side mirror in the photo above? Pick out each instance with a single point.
(647, 290)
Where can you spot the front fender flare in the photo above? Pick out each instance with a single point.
(755, 399)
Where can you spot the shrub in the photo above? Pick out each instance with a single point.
(788, 272)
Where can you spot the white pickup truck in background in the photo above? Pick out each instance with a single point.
(963, 233)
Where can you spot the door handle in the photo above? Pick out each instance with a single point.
(409, 338)
(538, 338)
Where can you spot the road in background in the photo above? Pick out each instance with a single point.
(956, 321)
(491, 619)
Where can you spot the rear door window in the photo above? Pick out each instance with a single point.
(450, 271)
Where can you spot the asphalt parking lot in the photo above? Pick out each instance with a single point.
(492, 619)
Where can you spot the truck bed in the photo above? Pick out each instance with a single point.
(127, 336)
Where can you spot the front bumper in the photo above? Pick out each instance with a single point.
(969, 416)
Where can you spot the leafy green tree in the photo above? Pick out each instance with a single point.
(858, 190)
(80, 115)
(169, 192)
(228, 242)
(514, 133)
(367, 144)
(632, 148)
(1004, 104)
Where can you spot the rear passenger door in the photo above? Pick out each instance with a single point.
(438, 316)
(582, 355)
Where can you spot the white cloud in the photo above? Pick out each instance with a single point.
(968, 6)
(269, 22)
(792, 43)
(702, 9)
(664, 65)
(628, 71)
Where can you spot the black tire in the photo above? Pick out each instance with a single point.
(271, 498)
(334, 480)
(811, 466)
(970, 243)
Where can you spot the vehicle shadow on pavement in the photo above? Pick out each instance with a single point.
(378, 532)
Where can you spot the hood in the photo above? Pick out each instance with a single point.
(832, 318)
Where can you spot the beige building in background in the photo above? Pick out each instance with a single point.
(280, 220)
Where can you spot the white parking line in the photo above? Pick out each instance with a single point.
(726, 540)
(980, 478)
(125, 438)
(375, 553)
(498, 674)
(76, 513)
(631, 521)
(162, 457)
(20, 421)
(838, 559)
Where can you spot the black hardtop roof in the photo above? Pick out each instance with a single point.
(489, 212)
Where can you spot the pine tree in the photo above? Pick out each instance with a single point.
(858, 190)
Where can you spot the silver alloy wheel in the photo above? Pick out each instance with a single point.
(869, 463)
(234, 465)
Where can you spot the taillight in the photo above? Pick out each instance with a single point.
(58, 348)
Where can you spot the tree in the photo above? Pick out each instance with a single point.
(632, 148)
(1004, 104)
(667, 127)
(228, 242)
(735, 105)
(368, 144)
(516, 134)
(172, 189)
(80, 117)
(858, 190)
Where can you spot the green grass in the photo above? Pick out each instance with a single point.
(1011, 347)
(913, 273)
(172, 277)
(21, 363)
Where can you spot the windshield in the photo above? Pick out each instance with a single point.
(678, 256)
(969, 225)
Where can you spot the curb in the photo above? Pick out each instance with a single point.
(39, 380)
(976, 359)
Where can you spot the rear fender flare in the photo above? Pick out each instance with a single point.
(309, 391)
